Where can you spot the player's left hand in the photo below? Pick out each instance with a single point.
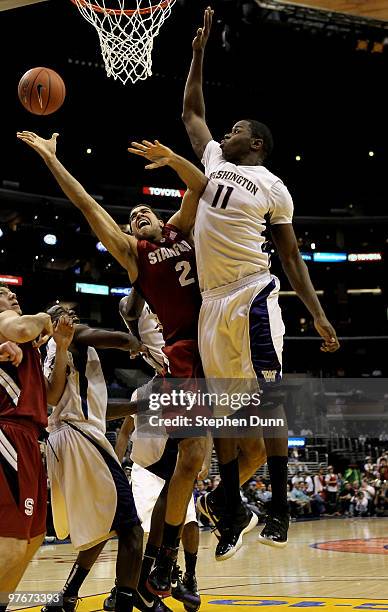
(327, 332)
(64, 332)
(155, 152)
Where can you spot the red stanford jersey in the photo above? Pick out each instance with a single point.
(168, 282)
(23, 390)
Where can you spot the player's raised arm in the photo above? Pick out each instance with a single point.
(63, 335)
(160, 155)
(297, 273)
(193, 101)
(120, 245)
(193, 178)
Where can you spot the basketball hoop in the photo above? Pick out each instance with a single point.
(126, 35)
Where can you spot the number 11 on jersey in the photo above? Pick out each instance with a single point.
(225, 199)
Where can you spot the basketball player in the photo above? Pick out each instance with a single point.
(240, 326)
(160, 260)
(250, 456)
(91, 497)
(23, 418)
(154, 460)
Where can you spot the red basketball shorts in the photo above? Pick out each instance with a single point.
(184, 359)
(23, 483)
(187, 376)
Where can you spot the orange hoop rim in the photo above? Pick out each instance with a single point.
(143, 11)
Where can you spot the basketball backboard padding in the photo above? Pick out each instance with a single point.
(6, 5)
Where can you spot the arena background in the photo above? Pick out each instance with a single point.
(318, 81)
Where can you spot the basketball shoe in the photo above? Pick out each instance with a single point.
(276, 529)
(68, 605)
(207, 507)
(185, 589)
(110, 601)
(232, 530)
(144, 604)
(159, 580)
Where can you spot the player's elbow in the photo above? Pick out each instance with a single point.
(291, 259)
(189, 116)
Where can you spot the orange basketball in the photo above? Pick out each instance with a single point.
(41, 91)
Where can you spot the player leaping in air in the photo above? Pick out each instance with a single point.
(160, 261)
(240, 326)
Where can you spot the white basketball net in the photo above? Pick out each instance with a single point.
(126, 37)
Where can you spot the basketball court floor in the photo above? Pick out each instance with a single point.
(328, 564)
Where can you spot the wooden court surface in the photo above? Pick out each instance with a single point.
(328, 564)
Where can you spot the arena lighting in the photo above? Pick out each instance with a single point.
(164, 192)
(100, 247)
(50, 239)
(120, 290)
(329, 257)
(293, 442)
(11, 280)
(90, 288)
(293, 293)
(365, 257)
(376, 291)
(1, 233)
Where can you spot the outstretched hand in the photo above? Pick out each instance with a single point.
(45, 148)
(327, 332)
(63, 332)
(155, 152)
(201, 38)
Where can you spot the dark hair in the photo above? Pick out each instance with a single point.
(56, 312)
(4, 285)
(260, 130)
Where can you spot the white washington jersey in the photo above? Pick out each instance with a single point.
(85, 398)
(231, 219)
(150, 332)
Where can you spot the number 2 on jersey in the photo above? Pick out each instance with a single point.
(186, 269)
(225, 199)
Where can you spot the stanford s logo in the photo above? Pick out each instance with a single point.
(28, 506)
(269, 375)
